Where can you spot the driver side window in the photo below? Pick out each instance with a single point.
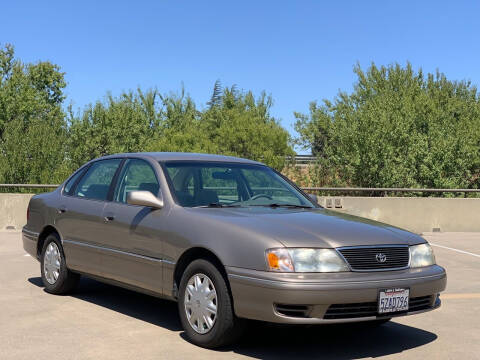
(136, 175)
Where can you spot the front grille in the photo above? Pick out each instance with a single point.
(358, 310)
(376, 258)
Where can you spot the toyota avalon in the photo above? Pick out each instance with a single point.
(229, 239)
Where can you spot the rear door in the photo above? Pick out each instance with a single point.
(135, 233)
(80, 219)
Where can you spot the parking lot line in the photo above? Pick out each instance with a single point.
(457, 250)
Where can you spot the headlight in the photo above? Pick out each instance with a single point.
(305, 260)
(421, 255)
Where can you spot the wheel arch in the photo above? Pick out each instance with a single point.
(191, 255)
(47, 230)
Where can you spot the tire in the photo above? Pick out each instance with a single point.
(56, 277)
(226, 327)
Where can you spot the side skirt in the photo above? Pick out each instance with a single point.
(125, 286)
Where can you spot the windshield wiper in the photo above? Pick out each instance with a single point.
(293, 206)
(217, 205)
(274, 205)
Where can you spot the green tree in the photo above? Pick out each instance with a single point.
(118, 124)
(40, 143)
(397, 128)
(234, 123)
(180, 128)
(240, 124)
(32, 127)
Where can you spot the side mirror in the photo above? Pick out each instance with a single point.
(313, 197)
(144, 198)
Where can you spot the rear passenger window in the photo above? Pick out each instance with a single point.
(67, 190)
(136, 175)
(96, 182)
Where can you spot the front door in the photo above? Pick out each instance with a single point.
(134, 241)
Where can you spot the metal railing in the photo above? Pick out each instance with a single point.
(313, 189)
(302, 159)
(404, 190)
(30, 186)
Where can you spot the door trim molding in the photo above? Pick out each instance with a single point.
(102, 248)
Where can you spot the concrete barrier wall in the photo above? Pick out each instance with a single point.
(13, 210)
(412, 213)
(415, 214)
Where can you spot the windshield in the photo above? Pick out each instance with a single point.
(218, 184)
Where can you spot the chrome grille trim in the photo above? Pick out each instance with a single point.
(362, 258)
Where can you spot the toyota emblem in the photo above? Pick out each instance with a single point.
(381, 258)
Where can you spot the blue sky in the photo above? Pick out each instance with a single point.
(297, 51)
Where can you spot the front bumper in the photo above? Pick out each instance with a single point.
(259, 294)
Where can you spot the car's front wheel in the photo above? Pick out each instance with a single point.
(56, 277)
(205, 306)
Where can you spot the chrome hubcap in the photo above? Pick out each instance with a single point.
(201, 303)
(51, 263)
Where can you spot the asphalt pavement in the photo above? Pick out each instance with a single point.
(101, 321)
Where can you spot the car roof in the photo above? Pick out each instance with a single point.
(182, 156)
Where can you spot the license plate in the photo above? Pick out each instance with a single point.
(393, 300)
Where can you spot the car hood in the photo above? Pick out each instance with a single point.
(307, 227)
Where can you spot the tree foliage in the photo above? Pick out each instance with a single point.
(234, 124)
(42, 143)
(32, 127)
(123, 124)
(242, 124)
(398, 128)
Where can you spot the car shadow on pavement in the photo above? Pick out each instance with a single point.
(156, 311)
(263, 340)
(342, 341)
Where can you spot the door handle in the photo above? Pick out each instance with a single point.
(109, 218)
(61, 210)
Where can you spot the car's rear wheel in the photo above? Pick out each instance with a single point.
(205, 306)
(56, 277)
